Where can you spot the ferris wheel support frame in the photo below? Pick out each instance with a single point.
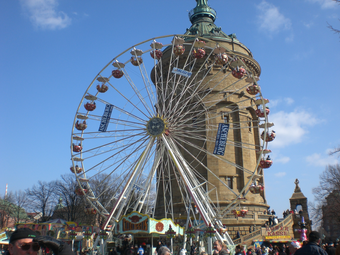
(176, 157)
(127, 185)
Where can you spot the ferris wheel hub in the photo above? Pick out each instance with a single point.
(156, 126)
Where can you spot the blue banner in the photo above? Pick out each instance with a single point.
(221, 139)
(181, 72)
(104, 123)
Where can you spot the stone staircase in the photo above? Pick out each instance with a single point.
(258, 234)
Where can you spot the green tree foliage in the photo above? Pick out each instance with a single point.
(11, 211)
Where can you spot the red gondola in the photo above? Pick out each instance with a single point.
(102, 88)
(256, 189)
(76, 169)
(77, 148)
(179, 50)
(239, 72)
(253, 89)
(156, 54)
(260, 112)
(269, 137)
(81, 126)
(117, 73)
(136, 61)
(90, 106)
(221, 59)
(198, 53)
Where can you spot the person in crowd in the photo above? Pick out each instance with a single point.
(164, 251)
(293, 247)
(265, 250)
(21, 242)
(273, 212)
(140, 251)
(182, 251)
(282, 250)
(159, 245)
(250, 251)
(270, 221)
(130, 250)
(312, 247)
(192, 249)
(238, 250)
(330, 249)
(337, 250)
(25, 241)
(220, 247)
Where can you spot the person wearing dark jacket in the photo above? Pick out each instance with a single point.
(330, 249)
(312, 247)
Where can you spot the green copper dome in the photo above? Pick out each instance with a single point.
(59, 205)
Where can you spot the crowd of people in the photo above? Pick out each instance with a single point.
(311, 247)
(26, 242)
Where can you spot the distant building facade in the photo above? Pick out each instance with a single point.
(331, 216)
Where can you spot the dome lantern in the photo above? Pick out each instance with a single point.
(202, 9)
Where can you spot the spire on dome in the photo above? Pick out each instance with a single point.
(202, 9)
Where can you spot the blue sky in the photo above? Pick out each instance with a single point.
(51, 50)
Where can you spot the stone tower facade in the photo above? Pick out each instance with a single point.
(299, 205)
(202, 18)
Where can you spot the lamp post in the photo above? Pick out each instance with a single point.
(210, 232)
(103, 236)
(87, 236)
(190, 232)
(170, 234)
(72, 235)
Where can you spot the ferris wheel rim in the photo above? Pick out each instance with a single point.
(264, 145)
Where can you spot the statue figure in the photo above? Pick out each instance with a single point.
(202, 2)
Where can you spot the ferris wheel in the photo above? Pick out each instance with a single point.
(161, 119)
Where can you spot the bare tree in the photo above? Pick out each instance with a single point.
(335, 30)
(105, 187)
(327, 202)
(335, 151)
(74, 205)
(41, 199)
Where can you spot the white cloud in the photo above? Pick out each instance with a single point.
(280, 174)
(270, 18)
(44, 14)
(287, 100)
(324, 3)
(290, 127)
(317, 159)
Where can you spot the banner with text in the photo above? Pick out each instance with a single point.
(221, 139)
(104, 123)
